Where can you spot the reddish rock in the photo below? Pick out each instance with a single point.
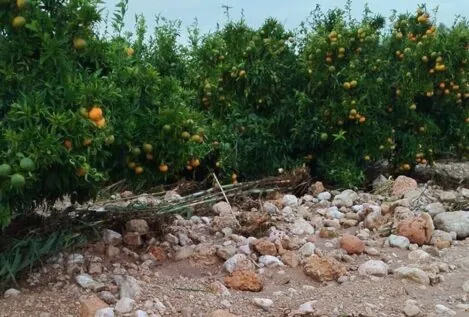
(317, 188)
(280, 248)
(291, 259)
(89, 306)
(322, 269)
(265, 247)
(328, 233)
(442, 244)
(418, 230)
(205, 255)
(352, 244)
(402, 185)
(244, 281)
(158, 253)
(133, 239)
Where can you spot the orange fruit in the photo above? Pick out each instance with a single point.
(95, 114)
(189, 167)
(329, 60)
(80, 172)
(21, 4)
(196, 138)
(234, 176)
(242, 73)
(362, 119)
(148, 148)
(101, 123)
(87, 142)
(366, 158)
(413, 106)
(442, 85)
(79, 43)
(138, 170)
(424, 161)
(163, 168)
(132, 165)
(68, 144)
(195, 162)
(18, 22)
(467, 120)
(406, 167)
(347, 85)
(130, 51)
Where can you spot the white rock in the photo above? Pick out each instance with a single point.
(125, 305)
(11, 293)
(111, 237)
(270, 208)
(465, 192)
(434, 209)
(104, 312)
(334, 213)
(270, 261)
(413, 274)
(456, 221)
(87, 282)
(324, 196)
(306, 250)
(373, 268)
(263, 303)
(411, 309)
(301, 227)
(307, 307)
(345, 198)
(221, 208)
(290, 200)
(236, 262)
(444, 311)
(398, 241)
(141, 313)
(128, 286)
(419, 256)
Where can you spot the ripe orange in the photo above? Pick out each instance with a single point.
(347, 85)
(18, 22)
(87, 142)
(68, 144)
(406, 167)
(195, 162)
(21, 4)
(197, 138)
(234, 176)
(163, 168)
(362, 119)
(138, 170)
(329, 60)
(242, 73)
(189, 167)
(79, 43)
(130, 51)
(101, 123)
(95, 114)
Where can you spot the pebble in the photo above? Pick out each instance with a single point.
(11, 293)
(125, 305)
(411, 309)
(373, 268)
(105, 312)
(270, 261)
(444, 311)
(307, 250)
(398, 241)
(263, 303)
(324, 196)
(141, 313)
(307, 307)
(465, 287)
(414, 274)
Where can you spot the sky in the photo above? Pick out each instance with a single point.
(290, 13)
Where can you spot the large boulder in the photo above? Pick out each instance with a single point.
(457, 221)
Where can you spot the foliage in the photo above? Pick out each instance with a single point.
(81, 109)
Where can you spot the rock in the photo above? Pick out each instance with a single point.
(449, 173)
(372, 218)
(413, 274)
(11, 292)
(224, 221)
(184, 239)
(291, 259)
(107, 297)
(373, 268)
(306, 250)
(324, 196)
(204, 255)
(465, 287)
(398, 241)
(270, 261)
(222, 208)
(137, 225)
(222, 313)
(89, 306)
(301, 227)
(322, 269)
(328, 233)
(238, 262)
(402, 213)
(345, 198)
(447, 196)
(244, 281)
(171, 238)
(112, 251)
(158, 253)
(418, 230)
(403, 184)
(439, 244)
(75, 262)
(444, 311)
(440, 235)
(227, 251)
(411, 309)
(352, 244)
(220, 289)
(87, 282)
(419, 256)
(457, 221)
(95, 268)
(307, 307)
(129, 287)
(184, 253)
(290, 201)
(371, 251)
(111, 237)
(334, 213)
(263, 303)
(133, 239)
(270, 208)
(316, 188)
(125, 305)
(379, 181)
(104, 312)
(141, 313)
(265, 247)
(434, 209)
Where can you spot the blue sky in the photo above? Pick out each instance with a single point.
(291, 13)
